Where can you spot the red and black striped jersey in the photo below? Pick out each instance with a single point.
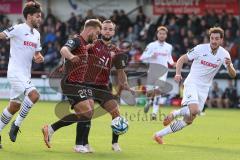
(75, 72)
(101, 58)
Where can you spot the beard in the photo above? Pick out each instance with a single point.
(106, 38)
(35, 24)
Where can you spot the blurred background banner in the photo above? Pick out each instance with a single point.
(10, 6)
(194, 6)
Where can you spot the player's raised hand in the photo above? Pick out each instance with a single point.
(38, 58)
(178, 78)
(228, 61)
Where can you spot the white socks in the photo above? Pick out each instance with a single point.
(174, 127)
(156, 105)
(25, 108)
(5, 118)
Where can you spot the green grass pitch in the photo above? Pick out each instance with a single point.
(215, 136)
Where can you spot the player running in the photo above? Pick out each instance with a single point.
(24, 47)
(159, 52)
(207, 60)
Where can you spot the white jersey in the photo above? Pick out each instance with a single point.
(205, 65)
(24, 43)
(163, 52)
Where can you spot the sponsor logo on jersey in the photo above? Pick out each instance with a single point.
(205, 63)
(31, 44)
(160, 54)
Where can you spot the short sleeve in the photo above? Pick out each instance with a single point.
(72, 43)
(227, 55)
(193, 53)
(147, 53)
(11, 31)
(120, 61)
(39, 47)
(170, 59)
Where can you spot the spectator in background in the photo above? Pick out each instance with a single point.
(3, 58)
(125, 23)
(215, 96)
(141, 17)
(72, 22)
(50, 36)
(230, 97)
(115, 17)
(50, 57)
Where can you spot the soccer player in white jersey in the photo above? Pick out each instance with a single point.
(158, 52)
(24, 47)
(207, 59)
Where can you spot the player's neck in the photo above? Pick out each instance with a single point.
(161, 42)
(214, 50)
(106, 42)
(29, 24)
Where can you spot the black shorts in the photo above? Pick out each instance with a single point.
(78, 92)
(102, 93)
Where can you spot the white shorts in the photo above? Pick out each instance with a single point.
(193, 93)
(20, 87)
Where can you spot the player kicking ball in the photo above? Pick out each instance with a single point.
(24, 47)
(207, 60)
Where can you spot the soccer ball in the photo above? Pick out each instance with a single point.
(119, 125)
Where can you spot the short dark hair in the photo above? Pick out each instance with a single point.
(93, 23)
(216, 30)
(109, 21)
(31, 7)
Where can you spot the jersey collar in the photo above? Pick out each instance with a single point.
(29, 28)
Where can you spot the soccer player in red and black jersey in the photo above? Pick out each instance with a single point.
(102, 56)
(79, 96)
(100, 59)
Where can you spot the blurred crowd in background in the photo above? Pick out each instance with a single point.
(185, 31)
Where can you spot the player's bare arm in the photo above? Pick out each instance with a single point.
(65, 52)
(230, 68)
(3, 35)
(122, 81)
(183, 59)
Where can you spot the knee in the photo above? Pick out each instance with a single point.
(194, 110)
(14, 107)
(115, 113)
(189, 120)
(34, 96)
(89, 114)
